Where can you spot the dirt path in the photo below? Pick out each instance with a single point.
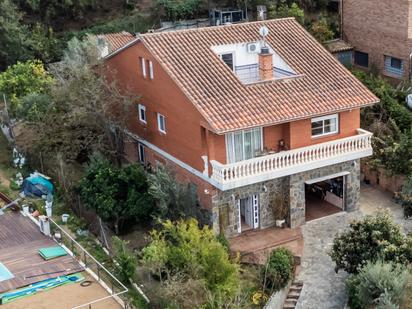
(4, 181)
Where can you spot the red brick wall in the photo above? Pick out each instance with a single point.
(160, 95)
(205, 191)
(301, 132)
(379, 27)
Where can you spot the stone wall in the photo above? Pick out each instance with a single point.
(225, 213)
(297, 188)
(290, 191)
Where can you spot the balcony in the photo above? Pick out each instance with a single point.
(229, 176)
(249, 74)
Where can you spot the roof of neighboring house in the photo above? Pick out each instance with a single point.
(117, 40)
(322, 86)
(337, 46)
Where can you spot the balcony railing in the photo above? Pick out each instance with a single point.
(229, 176)
(250, 73)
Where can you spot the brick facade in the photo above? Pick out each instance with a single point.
(380, 28)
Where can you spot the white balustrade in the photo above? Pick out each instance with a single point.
(291, 160)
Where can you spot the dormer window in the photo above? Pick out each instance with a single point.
(228, 59)
(244, 59)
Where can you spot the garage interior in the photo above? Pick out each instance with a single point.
(324, 197)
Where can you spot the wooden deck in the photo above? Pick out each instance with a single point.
(20, 240)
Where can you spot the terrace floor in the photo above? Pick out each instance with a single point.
(20, 240)
(66, 297)
(254, 245)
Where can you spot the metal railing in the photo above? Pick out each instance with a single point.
(117, 290)
(250, 73)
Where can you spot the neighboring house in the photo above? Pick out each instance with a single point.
(341, 51)
(110, 42)
(264, 130)
(381, 34)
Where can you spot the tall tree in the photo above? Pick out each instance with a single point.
(15, 39)
(116, 194)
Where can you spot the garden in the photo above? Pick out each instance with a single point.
(377, 255)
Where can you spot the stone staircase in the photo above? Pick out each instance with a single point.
(293, 295)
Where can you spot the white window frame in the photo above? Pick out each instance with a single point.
(151, 74)
(159, 126)
(323, 118)
(143, 64)
(142, 108)
(228, 151)
(141, 152)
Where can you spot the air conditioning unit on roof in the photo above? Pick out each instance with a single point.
(252, 48)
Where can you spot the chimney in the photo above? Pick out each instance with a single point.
(265, 64)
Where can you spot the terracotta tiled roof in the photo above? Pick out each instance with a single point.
(324, 86)
(117, 40)
(337, 46)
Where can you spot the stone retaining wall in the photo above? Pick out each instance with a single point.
(290, 191)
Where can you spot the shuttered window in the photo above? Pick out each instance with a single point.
(394, 66)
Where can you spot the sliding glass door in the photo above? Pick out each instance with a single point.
(243, 145)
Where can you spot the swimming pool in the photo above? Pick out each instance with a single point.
(5, 274)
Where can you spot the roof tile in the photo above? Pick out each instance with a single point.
(325, 86)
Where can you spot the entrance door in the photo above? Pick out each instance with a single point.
(248, 213)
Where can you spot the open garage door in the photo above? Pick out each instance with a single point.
(325, 196)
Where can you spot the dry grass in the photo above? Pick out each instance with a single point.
(407, 299)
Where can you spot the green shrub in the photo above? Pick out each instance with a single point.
(117, 195)
(369, 239)
(378, 283)
(183, 249)
(223, 240)
(126, 260)
(278, 270)
(14, 186)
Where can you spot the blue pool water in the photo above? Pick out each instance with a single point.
(5, 274)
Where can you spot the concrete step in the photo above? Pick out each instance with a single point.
(295, 289)
(291, 300)
(298, 283)
(289, 306)
(294, 295)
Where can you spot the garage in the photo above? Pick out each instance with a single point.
(325, 196)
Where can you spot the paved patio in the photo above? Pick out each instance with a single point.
(254, 245)
(323, 288)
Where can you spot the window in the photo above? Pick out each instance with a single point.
(361, 59)
(151, 70)
(394, 66)
(143, 64)
(161, 123)
(243, 145)
(325, 125)
(142, 113)
(228, 59)
(142, 155)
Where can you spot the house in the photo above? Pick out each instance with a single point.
(341, 50)
(259, 117)
(381, 34)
